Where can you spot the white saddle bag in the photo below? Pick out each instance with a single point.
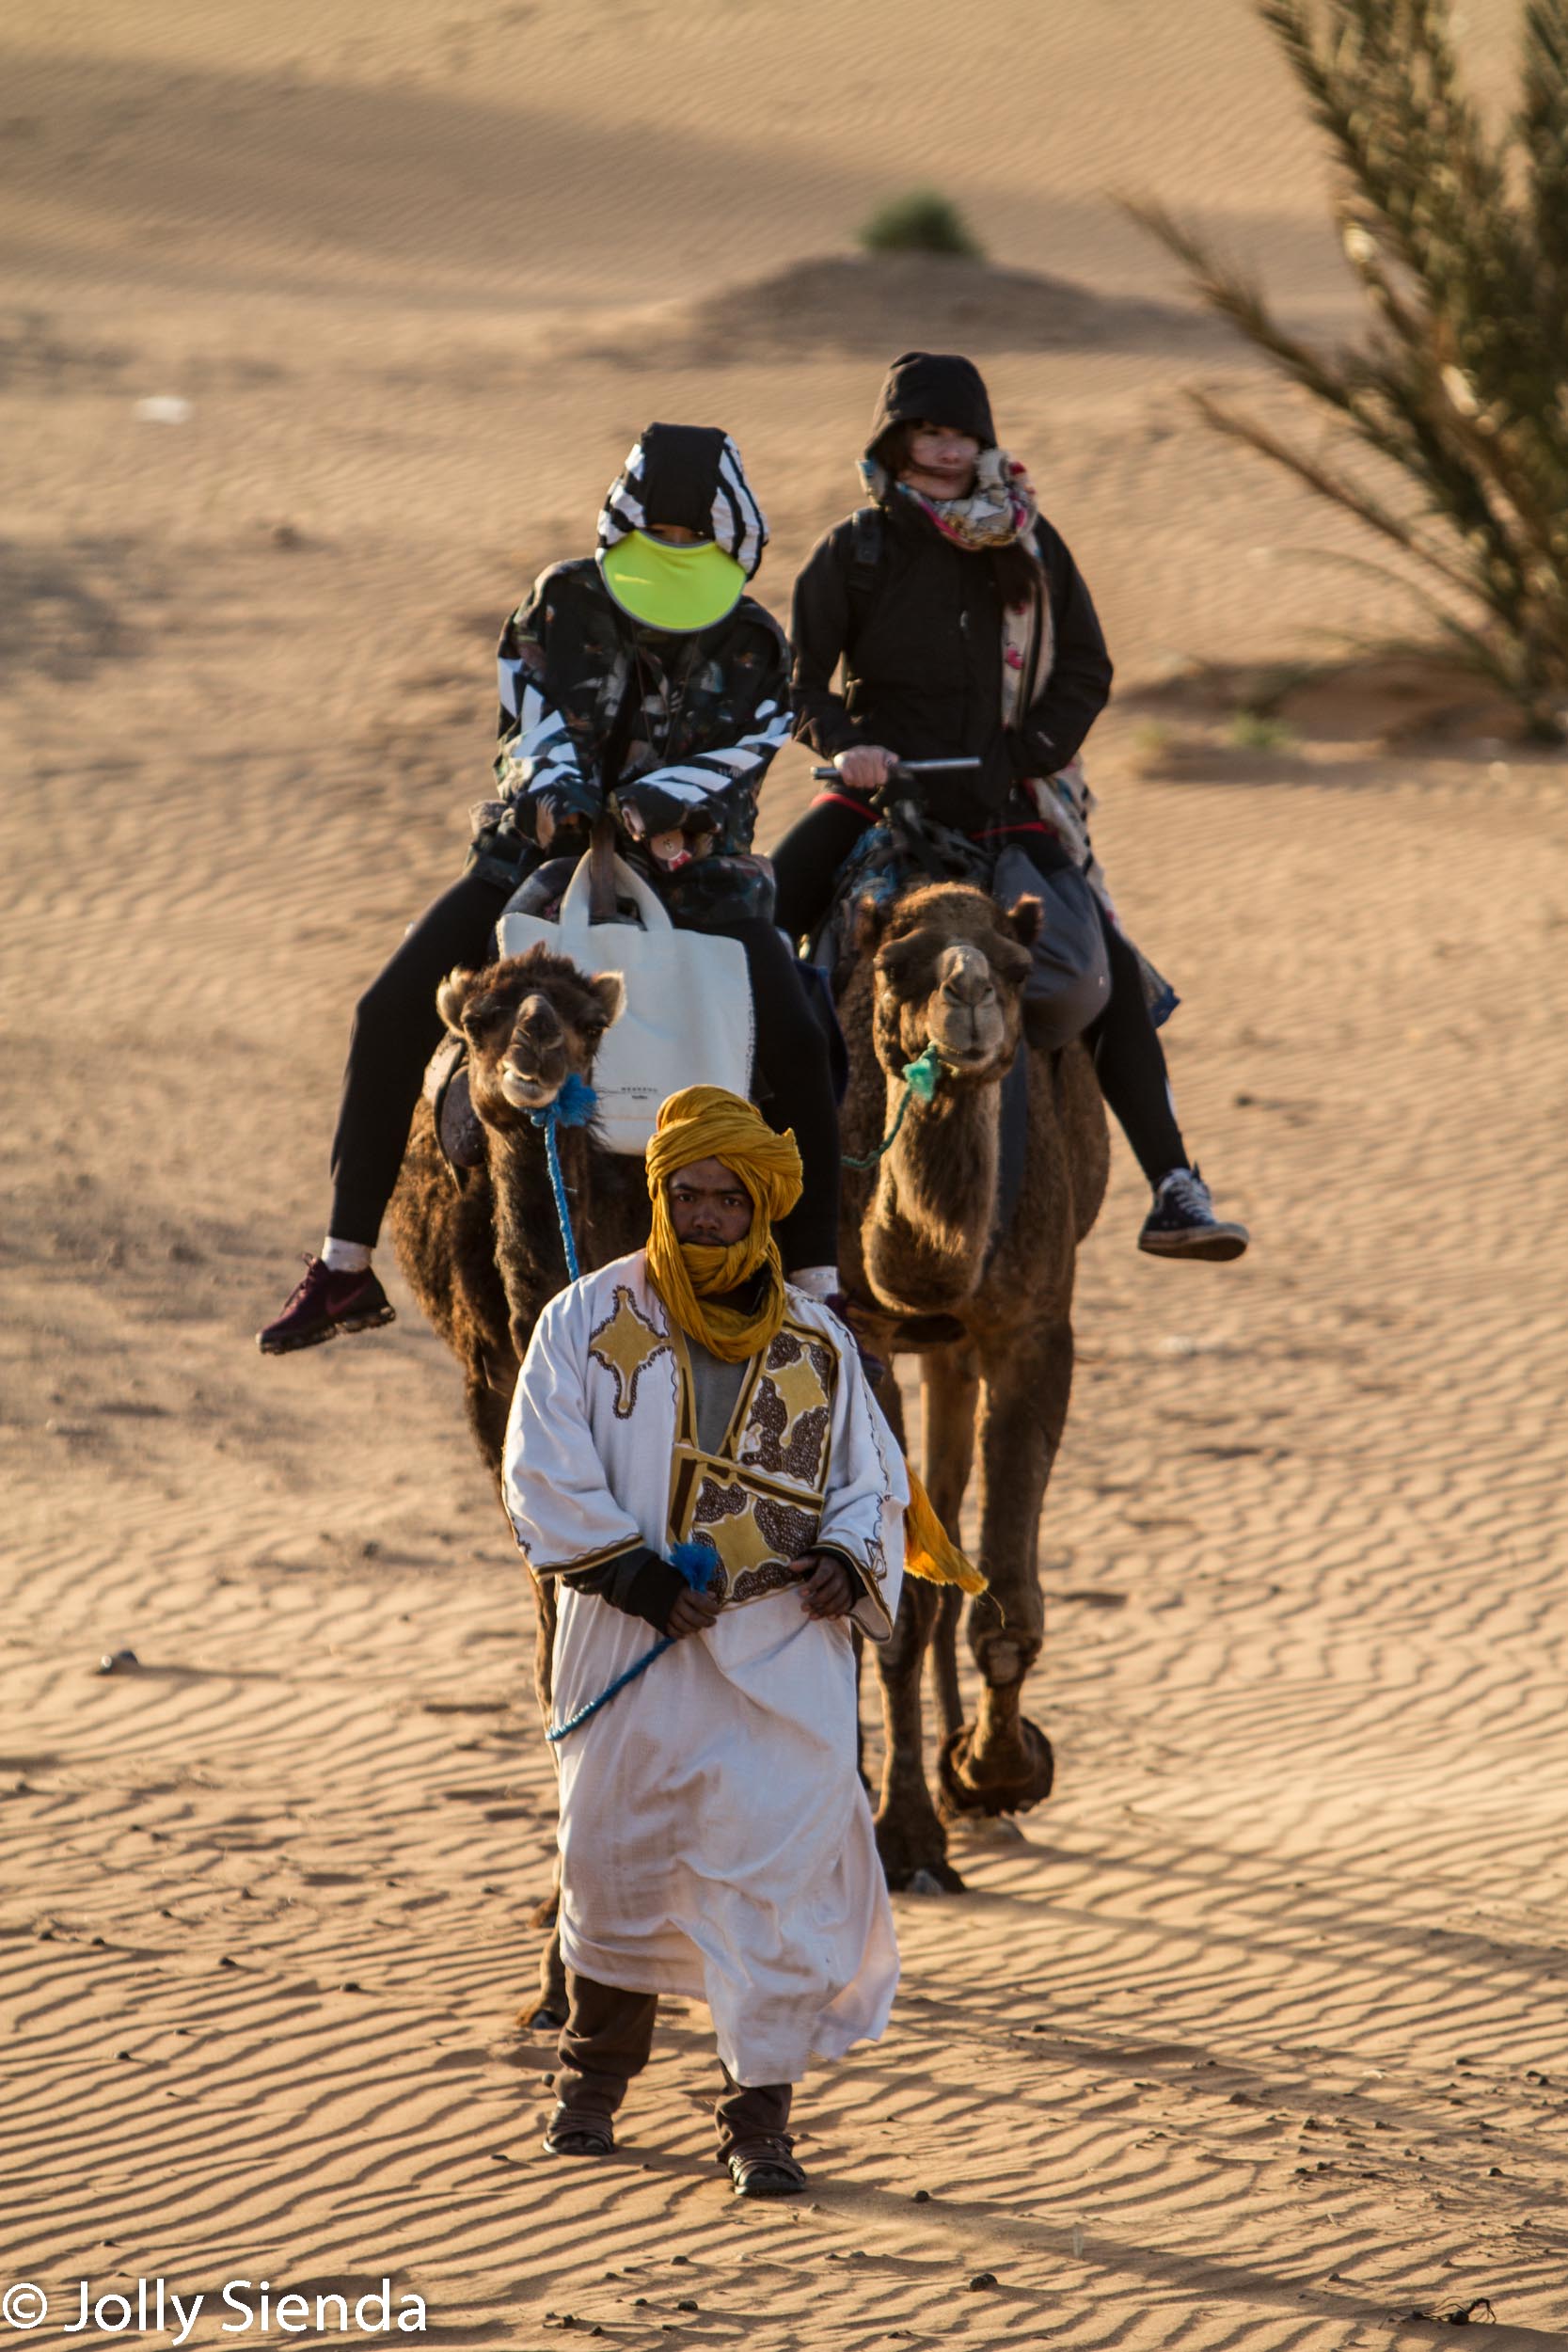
(688, 1019)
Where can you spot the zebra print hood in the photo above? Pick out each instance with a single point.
(689, 475)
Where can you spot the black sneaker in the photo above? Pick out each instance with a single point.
(324, 1304)
(1182, 1224)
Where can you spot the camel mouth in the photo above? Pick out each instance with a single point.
(525, 1090)
(969, 1061)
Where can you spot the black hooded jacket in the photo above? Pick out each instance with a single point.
(919, 630)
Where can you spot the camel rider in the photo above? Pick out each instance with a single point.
(965, 630)
(643, 671)
(715, 1841)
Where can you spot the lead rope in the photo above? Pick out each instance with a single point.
(696, 1563)
(573, 1107)
(920, 1079)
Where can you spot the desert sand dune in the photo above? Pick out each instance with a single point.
(1256, 2038)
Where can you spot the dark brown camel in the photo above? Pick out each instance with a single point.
(990, 1314)
(483, 1254)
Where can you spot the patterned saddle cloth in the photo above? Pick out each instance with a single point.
(1070, 976)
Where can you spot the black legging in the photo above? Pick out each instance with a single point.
(397, 1029)
(1128, 1058)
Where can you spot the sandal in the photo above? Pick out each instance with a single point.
(572, 2131)
(765, 2168)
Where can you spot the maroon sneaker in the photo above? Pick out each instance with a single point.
(324, 1304)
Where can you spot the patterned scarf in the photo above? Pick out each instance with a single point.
(998, 509)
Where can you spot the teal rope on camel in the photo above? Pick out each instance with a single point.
(920, 1078)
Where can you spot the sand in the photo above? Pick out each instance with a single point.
(1256, 2036)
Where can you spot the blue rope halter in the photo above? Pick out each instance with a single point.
(696, 1563)
(920, 1083)
(574, 1107)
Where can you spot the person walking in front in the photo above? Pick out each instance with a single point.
(687, 1405)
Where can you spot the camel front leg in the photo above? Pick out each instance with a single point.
(909, 1836)
(951, 1394)
(1004, 1763)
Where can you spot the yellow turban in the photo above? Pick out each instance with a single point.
(707, 1123)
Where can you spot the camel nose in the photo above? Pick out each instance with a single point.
(539, 1021)
(965, 977)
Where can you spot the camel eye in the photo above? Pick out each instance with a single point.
(484, 1014)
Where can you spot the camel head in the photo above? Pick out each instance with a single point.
(949, 972)
(529, 1022)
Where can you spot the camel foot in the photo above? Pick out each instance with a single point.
(990, 1829)
(546, 1913)
(544, 2017)
(912, 1852)
(928, 1882)
(934, 1877)
(1011, 1782)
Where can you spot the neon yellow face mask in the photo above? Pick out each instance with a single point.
(672, 587)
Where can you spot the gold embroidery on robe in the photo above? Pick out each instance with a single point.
(757, 1502)
(792, 1411)
(626, 1344)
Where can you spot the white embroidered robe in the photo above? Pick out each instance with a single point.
(715, 1838)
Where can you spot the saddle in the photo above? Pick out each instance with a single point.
(1070, 976)
(458, 1131)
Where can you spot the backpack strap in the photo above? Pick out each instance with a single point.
(865, 562)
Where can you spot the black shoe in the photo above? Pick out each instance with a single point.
(1182, 1224)
(324, 1304)
(764, 2167)
(575, 2131)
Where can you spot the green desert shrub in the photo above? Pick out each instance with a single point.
(1458, 234)
(1260, 731)
(922, 221)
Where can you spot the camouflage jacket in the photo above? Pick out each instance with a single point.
(706, 714)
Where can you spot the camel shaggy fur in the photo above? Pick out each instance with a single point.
(989, 1311)
(482, 1253)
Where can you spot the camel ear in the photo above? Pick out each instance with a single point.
(452, 995)
(611, 990)
(1026, 921)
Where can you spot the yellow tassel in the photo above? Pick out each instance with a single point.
(928, 1549)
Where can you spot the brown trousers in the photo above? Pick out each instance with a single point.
(606, 2041)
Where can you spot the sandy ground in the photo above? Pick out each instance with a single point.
(1257, 2039)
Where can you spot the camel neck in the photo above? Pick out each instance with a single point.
(528, 1244)
(936, 1201)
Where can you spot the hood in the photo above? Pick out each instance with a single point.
(936, 385)
(689, 475)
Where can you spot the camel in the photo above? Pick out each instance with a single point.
(989, 1311)
(484, 1254)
